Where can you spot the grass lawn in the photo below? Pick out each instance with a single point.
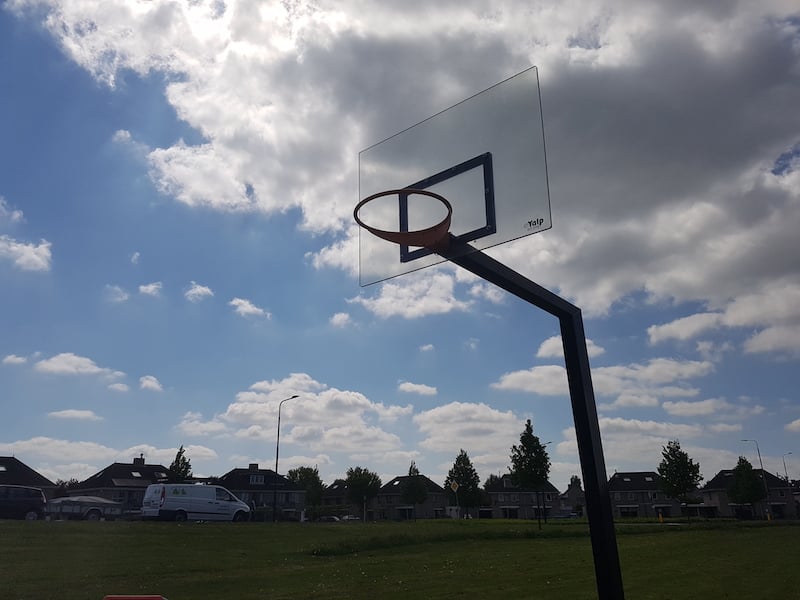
(423, 559)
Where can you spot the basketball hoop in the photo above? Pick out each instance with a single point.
(432, 237)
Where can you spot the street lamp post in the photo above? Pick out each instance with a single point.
(763, 474)
(785, 471)
(277, 450)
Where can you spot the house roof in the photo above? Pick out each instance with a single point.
(337, 488)
(724, 480)
(125, 475)
(14, 472)
(395, 486)
(505, 484)
(634, 481)
(240, 479)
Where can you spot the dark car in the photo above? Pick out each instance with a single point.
(20, 502)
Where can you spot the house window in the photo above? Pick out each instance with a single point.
(136, 473)
(617, 496)
(631, 495)
(548, 497)
(256, 479)
(654, 495)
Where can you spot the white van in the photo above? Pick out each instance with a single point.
(182, 501)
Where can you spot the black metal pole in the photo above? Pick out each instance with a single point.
(277, 449)
(584, 410)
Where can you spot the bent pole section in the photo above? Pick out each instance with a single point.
(584, 409)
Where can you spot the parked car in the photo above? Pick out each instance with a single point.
(88, 508)
(328, 519)
(351, 518)
(21, 502)
(182, 502)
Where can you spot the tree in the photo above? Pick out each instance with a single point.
(747, 487)
(362, 486)
(62, 485)
(465, 475)
(308, 478)
(530, 464)
(181, 467)
(680, 475)
(491, 481)
(414, 490)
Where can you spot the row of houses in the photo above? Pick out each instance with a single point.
(632, 494)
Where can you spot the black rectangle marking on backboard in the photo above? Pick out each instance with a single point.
(482, 160)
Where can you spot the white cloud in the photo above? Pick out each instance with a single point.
(778, 303)
(245, 308)
(724, 427)
(135, 258)
(49, 449)
(553, 347)
(148, 382)
(685, 328)
(68, 363)
(548, 380)
(417, 388)
(197, 292)
(474, 427)
(630, 400)
(718, 407)
(488, 291)
(426, 348)
(8, 214)
(775, 339)
(119, 387)
(26, 256)
(115, 293)
(151, 289)
(699, 408)
(391, 413)
(192, 424)
(340, 319)
(13, 359)
(794, 426)
(323, 418)
(75, 414)
(424, 294)
(634, 385)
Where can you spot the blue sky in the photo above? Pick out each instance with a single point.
(177, 251)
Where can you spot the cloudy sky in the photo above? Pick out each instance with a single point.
(177, 249)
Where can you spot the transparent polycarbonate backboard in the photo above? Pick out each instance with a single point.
(486, 155)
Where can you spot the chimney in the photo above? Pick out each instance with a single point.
(139, 460)
(254, 466)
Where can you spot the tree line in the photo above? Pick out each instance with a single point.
(679, 475)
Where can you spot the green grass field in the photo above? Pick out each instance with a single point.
(423, 559)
